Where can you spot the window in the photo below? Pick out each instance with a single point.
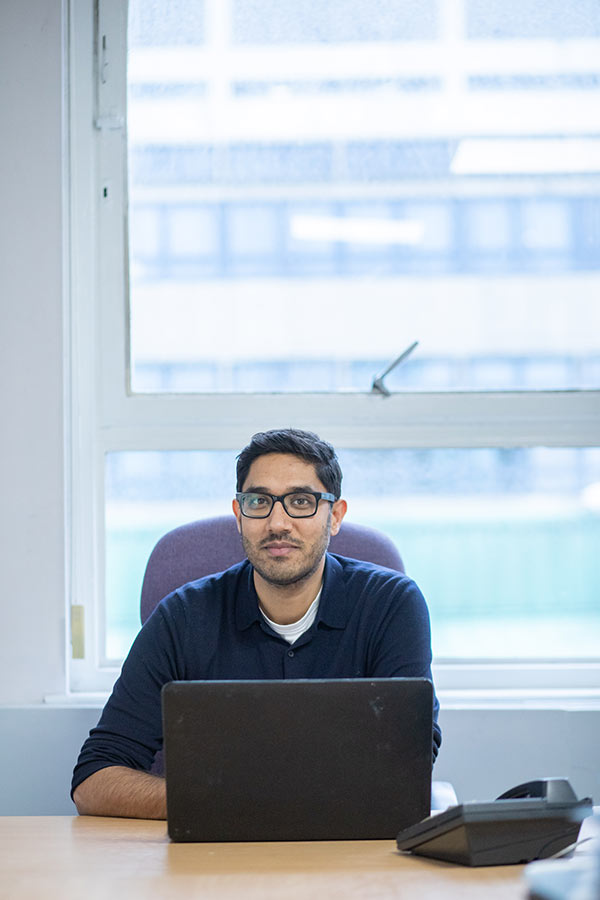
(502, 542)
(296, 198)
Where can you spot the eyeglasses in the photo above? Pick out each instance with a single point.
(297, 504)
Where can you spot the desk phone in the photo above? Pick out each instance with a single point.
(531, 821)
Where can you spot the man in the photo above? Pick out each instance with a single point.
(291, 610)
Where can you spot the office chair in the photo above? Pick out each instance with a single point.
(212, 545)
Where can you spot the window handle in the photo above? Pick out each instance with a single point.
(378, 387)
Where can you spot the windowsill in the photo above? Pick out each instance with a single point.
(88, 699)
(520, 699)
(514, 680)
(463, 699)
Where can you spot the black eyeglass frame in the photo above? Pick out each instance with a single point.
(318, 495)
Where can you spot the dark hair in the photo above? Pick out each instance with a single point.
(304, 444)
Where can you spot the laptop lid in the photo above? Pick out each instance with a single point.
(339, 759)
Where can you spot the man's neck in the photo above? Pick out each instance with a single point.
(285, 604)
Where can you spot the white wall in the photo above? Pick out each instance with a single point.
(484, 751)
(32, 528)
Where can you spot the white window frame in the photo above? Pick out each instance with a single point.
(105, 416)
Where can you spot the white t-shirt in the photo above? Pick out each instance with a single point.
(293, 631)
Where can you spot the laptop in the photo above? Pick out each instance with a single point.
(297, 760)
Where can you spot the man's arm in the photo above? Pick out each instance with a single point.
(111, 775)
(403, 649)
(119, 791)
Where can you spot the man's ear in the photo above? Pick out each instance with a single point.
(338, 511)
(238, 515)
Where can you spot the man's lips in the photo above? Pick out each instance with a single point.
(279, 548)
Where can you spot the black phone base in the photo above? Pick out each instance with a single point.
(516, 828)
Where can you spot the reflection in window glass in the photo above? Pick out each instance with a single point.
(503, 543)
(144, 228)
(303, 152)
(192, 231)
(436, 219)
(488, 226)
(531, 19)
(300, 242)
(545, 225)
(367, 234)
(252, 231)
(556, 81)
(337, 21)
(177, 22)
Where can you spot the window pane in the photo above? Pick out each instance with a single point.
(337, 21)
(488, 227)
(396, 171)
(503, 543)
(532, 19)
(192, 231)
(545, 225)
(176, 22)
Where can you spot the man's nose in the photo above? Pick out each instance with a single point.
(278, 517)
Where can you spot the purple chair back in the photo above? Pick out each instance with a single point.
(212, 545)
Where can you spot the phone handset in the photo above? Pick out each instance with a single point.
(554, 790)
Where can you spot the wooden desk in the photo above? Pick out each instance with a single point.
(85, 858)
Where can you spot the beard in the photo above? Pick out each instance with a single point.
(284, 571)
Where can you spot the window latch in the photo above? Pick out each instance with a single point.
(109, 123)
(77, 632)
(378, 387)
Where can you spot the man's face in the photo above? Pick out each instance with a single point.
(282, 549)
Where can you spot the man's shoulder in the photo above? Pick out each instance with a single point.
(353, 584)
(363, 571)
(361, 566)
(215, 584)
